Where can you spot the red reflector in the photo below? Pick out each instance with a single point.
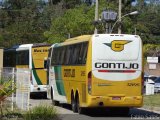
(102, 70)
(129, 71)
(121, 71)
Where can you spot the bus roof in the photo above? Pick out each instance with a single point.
(35, 45)
(84, 38)
(40, 45)
(78, 39)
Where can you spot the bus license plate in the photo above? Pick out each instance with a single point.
(116, 98)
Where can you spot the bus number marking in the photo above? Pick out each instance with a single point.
(133, 84)
(69, 72)
(82, 73)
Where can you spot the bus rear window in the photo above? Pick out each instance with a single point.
(116, 49)
(22, 57)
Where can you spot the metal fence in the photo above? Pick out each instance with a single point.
(21, 80)
(23, 88)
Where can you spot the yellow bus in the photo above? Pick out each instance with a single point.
(101, 70)
(31, 56)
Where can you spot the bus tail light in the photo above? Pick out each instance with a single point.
(89, 82)
(142, 83)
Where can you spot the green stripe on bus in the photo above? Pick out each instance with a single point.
(59, 81)
(35, 75)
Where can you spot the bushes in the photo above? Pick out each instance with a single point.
(7, 87)
(42, 112)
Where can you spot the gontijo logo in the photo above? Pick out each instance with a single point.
(117, 45)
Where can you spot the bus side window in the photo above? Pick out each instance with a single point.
(75, 55)
(80, 54)
(59, 51)
(85, 53)
(54, 54)
(68, 55)
(63, 50)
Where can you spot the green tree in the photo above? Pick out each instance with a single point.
(25, 21)
(79, 21)
(147, 23)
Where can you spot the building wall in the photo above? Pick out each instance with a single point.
(155, 72)
(1, 57)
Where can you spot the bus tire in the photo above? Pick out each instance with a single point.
(81, 110)
(55, 103)
(73, 104)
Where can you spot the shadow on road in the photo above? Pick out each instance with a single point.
(38, 95)
(105, 112)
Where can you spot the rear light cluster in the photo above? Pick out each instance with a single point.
(90, 82)
(142, 77)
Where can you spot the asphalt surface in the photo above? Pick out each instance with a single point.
(65, 113)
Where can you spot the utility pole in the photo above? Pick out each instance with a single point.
(96, 16)
(51, 2)
(119, 16)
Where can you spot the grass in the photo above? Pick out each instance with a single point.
(152, 100)
(41, 112)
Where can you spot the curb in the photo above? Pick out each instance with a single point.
(150, 110)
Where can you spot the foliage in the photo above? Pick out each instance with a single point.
(7, 87)
(32, 21)
(151, 50)
(25, 21)
(42, 112)
(147, 23)
(79, 21)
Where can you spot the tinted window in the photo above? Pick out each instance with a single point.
(9, 58)
(70, 55)
(22, 57)
(157, 80)
(54, 54)
(49, 54)
(153, 78)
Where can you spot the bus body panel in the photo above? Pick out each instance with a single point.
(39, 54)
(74, 78)
(57, 84)
(114, 65)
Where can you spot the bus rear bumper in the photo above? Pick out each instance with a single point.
(38, 88)
(131, 101)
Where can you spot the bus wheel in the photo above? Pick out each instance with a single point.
(55, 103)
(81, 110)
(73, 103)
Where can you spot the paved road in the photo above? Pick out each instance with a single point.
(66, 113)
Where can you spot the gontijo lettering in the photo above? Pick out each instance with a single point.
(117, 65)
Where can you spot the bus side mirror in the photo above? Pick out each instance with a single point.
(45, 64)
